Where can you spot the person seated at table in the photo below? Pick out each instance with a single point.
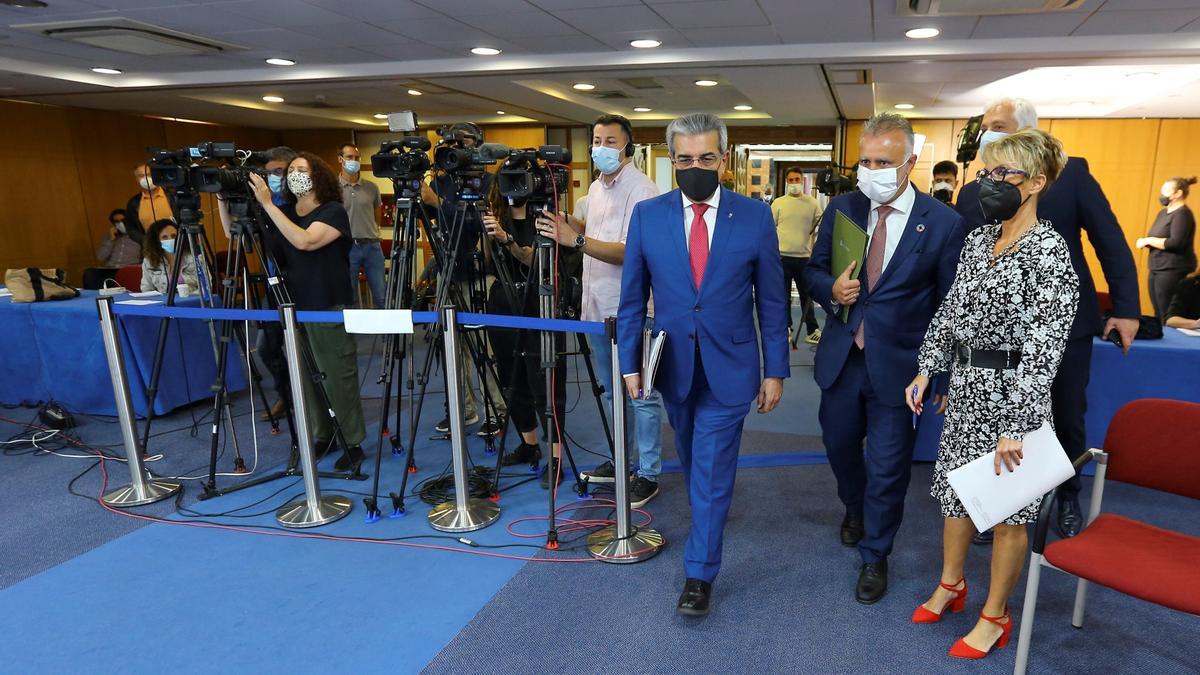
(1001, 333)
(161, 246)
(116, 251)
(310, 239)
(1184, 311)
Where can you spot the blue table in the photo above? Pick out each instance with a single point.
(54, 352)
(1166, 368)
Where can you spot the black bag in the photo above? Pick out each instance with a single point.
(1149, 328)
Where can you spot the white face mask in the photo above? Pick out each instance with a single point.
(879, 185)
(120, 226)
(300, 183)
(943, 185)
(145, 183)
(795, 189)
(989, 137)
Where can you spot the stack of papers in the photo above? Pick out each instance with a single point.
(1190, 332)
(652, 348)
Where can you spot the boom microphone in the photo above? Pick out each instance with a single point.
(491, 152)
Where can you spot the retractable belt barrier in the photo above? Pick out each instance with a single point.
(620, 543)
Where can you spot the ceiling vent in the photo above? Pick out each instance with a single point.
(642, 83)
(852, 76)
(609, 94)
(129, 36)
(927, 8)
(319, 102)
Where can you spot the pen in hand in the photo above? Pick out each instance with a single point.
(915, 390)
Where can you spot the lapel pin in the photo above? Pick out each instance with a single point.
(920, 227)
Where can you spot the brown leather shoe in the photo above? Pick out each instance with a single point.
(278, 411)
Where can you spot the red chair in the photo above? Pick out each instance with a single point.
(1105, 302)
(1151, 443)
(130, 277)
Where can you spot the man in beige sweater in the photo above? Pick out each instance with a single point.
(796, 218)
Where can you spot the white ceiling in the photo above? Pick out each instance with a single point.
(359, 57)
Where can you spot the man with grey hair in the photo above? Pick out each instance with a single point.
(865, 359)
(1074, 203)
(709, 282)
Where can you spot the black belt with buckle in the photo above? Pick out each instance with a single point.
(996, 359)
(366, 241)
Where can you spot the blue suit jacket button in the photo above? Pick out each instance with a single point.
(696, 308)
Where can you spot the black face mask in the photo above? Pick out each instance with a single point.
(697, 184)
(1000, 200)
(943, 196)
(1164, 200)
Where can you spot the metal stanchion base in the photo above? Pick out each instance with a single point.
(297, 514)
(640, 545)
(480, 513)
(154, 491)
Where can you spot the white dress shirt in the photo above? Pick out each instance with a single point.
(710, 217)
(896, 222)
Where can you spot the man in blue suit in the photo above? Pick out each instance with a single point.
(711, 258)
(864, 363)
(1073, 204)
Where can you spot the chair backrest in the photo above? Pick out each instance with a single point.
(386, 245)
(1105, 302)
(1155, 443)
(130, 277)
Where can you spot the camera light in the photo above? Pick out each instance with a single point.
(485, 51)
(380, 116)
(106, 71)
(905, 106)
(583, 86)
(743, 108)
(644, 44)
(706, 83)
(281, 62)
(413, 92)
(642, 109)
(922, 33)
(273, 99)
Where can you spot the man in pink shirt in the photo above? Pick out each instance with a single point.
(610, 202)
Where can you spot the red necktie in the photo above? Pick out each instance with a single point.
(698, 243)
(874, 262)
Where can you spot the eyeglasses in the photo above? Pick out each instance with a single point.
(999, 173)
(707, 161)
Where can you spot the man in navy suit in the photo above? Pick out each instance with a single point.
(864, 363)
(711, 258)
(1073, 204)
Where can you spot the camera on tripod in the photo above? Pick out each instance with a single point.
(404, 161)
(537, 176)
(832, 182)
(177, 169)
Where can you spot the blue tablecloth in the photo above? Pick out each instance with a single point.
(1166, 368)
(54, 352)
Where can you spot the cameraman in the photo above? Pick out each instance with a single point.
(271, 352)
(519, 365)
(945, 181)
(444, 196)
(310, 237)
(610, 203)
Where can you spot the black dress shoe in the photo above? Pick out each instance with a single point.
(694, 599)
(872, 582)
(852, 529)
(1070, 517)
(983, 538)
(350, 460)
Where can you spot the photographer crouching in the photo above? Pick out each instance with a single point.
(513, 231)
(309, 236)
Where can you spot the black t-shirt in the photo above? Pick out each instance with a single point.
(570, 271)
(446, 189)
(1179, 229)
(317, 279)
(1186, 303)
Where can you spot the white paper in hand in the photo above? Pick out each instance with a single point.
(378, 321)
(990, 499)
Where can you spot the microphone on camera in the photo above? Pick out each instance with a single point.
(492, 152)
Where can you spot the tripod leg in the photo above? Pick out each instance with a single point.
(585, 350)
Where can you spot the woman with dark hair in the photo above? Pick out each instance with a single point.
(1171, 241)
(161, 245)
(1184, 310)
(310, 239)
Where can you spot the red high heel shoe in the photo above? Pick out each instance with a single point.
(963, 650)
(956, 604)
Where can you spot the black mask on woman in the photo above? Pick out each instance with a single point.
(1000, 200)
(1164, 200)
(697, 184)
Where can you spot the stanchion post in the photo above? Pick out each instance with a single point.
(464, 513)
(313, 508)
(622, 542)
(142, 489)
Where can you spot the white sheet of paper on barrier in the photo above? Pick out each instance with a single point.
(139, 302)
(378, 321)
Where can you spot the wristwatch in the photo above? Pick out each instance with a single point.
(580, 240)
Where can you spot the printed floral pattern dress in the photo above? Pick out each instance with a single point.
(1023, 299)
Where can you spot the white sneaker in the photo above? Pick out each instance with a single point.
(813, 337)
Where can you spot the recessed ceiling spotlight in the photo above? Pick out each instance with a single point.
(281, 62)
(743, 108)
(1141, 74)
(413, 92)
(380, 116)
(922, 33)
(104, 71)
(501, 112)
(583, 86)
(642, 109)
(905, 106)
(706, 83)
(485, 51)
(273, 99)
(644, 44)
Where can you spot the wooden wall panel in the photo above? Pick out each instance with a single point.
(321, 142)
(43, 220)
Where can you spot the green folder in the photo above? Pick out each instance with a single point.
(849, 244)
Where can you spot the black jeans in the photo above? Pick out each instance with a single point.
(1068, 404)
(793, 272)
(1162, 288)
(520, 368)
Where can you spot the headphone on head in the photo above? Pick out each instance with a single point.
(625, 125)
